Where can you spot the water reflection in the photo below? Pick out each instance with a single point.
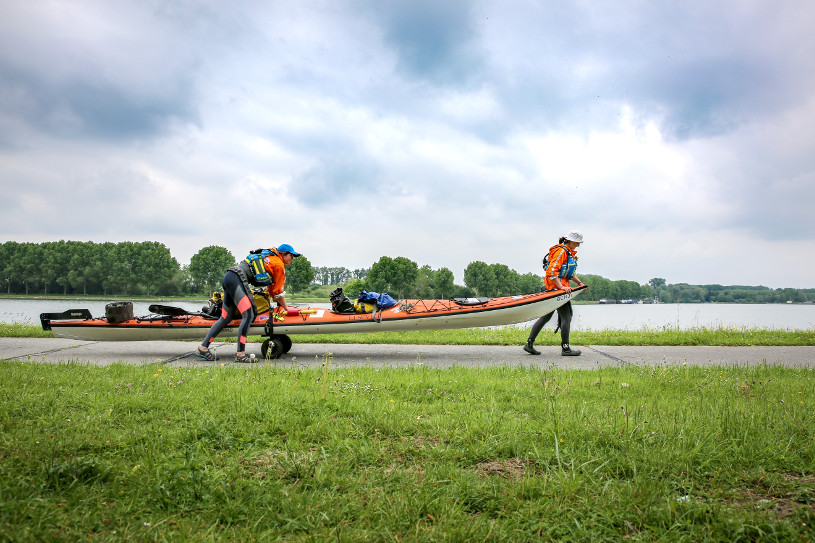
(586, 316)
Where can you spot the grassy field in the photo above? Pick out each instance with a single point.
(151, 453)
(730, 336)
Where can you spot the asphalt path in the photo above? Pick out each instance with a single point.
(180, 353)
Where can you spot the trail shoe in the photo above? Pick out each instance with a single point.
(568, 351)
(205, 353)
(530, 349)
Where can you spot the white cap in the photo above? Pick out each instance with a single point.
(574, 235)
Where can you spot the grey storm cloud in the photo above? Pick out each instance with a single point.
(571, 65)
(95, 109)
(634, 116)
(434, 41)
(340, 182)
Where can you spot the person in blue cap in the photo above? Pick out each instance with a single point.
(262, 268)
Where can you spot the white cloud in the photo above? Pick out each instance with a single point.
(445, 133)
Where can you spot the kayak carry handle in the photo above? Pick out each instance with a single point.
(70, 314)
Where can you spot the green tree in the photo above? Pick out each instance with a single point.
(30, 263)
(123, 266)
(9, 266)
(656, 283)
(665, 295)
(179, 284)
(155, 264)
(529, 283)
(381, 274)
(65, 251)
(99, 269)
(354, 288)
(424, 283)
(480, 277)
(407, 272)
(443, 283)
(395, 276)
(627, 290)
(55, 259)
(81, 261)
(336, 275)
(506, 280)
(600, 288)
(460, 291)
(208, 266)
(299, 274)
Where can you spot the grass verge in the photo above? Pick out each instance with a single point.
(271, 454)
(726, 336)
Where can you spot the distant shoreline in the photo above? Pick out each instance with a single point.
(97, 298)
(296, 299)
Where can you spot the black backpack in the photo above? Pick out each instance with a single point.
(340, 303)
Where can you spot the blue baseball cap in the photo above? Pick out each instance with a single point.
(286, 248)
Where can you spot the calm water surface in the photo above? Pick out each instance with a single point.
(685, 316)
(586, 317)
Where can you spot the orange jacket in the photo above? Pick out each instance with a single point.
(274, 265)
(558, 255)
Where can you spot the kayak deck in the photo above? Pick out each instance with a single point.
(404, 316)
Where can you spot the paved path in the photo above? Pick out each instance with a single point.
(179, 353)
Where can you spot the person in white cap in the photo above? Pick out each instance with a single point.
(560, 266)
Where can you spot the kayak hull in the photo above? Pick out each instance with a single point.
(405, 316)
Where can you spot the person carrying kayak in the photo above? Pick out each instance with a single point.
(262, 268)
(560, 266)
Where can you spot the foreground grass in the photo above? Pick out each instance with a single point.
(271, 454)
(727, 336)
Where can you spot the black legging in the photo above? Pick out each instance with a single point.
(234, 297)
(564, 314)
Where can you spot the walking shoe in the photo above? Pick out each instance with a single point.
(205, 353)
(570, 352)
(530, 349)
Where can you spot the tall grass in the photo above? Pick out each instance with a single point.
(269, 453)
(17, 329)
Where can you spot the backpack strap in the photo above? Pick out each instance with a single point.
(546, 258)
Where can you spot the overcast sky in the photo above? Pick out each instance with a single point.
(679, 137)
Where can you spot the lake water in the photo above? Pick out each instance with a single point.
(685, 316)
(586, 317)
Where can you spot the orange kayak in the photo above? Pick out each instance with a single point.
(404, 316)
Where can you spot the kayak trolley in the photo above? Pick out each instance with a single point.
(275, 345)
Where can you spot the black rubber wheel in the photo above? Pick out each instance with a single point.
(271, 349)
(285, 341)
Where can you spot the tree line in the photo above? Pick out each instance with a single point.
(88, 268)
(148, 268)
(124, 268)
(685, 293)
(325, 276)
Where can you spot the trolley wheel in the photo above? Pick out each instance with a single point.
(285, 341)
(272, 348)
